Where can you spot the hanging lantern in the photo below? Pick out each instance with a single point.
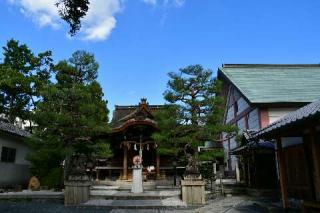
(148, 147)
(135, 147)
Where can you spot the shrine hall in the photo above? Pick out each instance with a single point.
(132, 129)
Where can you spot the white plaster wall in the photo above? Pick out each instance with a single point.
(230, 114)
(17, 143)
(242, 105)
(233, 145)
(277, 113)
(253, 120)
(242, 123)
(12, 174)
(236, 93)
(225, 143)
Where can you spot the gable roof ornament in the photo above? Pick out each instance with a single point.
(143, 101)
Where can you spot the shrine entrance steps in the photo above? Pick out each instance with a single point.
(147, 185)
(110, 197)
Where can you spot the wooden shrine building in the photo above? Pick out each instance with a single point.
(297, 138)
(132, 128)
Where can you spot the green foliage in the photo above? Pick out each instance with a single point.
(168, 136)
(240, 139)
(102, 150)
(71, 114)
(46, 160)
(192, 89)
(206, 170)
(198, 114)
(53, 179)
(211, 155)
(194, 92)
(22, 75)
(72, 11)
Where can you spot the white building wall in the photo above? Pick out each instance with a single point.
(233, 144)
(17, 172)
(17, 143)
(230, 114)
(277, 113)
(242, 105)
(253, 120)
(242, 123)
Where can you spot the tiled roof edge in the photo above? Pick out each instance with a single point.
(268, 65)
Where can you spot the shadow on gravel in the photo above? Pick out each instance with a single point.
(43, 207)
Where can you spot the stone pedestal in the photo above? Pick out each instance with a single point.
(137, 186)
(77, 190)
(193, 192)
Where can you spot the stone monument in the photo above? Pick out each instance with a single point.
(137, 186)
(34, 184)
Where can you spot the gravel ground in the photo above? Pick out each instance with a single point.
(235, 204)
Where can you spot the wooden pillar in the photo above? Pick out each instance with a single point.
(125, 163)
(282, 174)
(158, 165)
(315, 147)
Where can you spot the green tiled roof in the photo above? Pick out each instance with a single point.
(268, 83)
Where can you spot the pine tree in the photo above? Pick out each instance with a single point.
(22, 75)
(194, 91)
(70, 117)
(168, 136)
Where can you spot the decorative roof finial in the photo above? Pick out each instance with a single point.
(143, 101)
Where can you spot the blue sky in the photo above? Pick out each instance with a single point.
(137, 42)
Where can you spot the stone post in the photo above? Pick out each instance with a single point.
(77, 190)
(137, 186)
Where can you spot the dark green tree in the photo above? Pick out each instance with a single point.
(70, 117)
(168, 136)
(194, 91)
(22, 75)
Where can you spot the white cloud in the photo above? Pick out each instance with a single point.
(100, 19)
(179, 3)
(96, 25)
(166, 3)
(43, 12)
(150, 2)
(175, 3)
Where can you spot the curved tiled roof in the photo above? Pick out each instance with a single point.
(10, 128)
(125, 115)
